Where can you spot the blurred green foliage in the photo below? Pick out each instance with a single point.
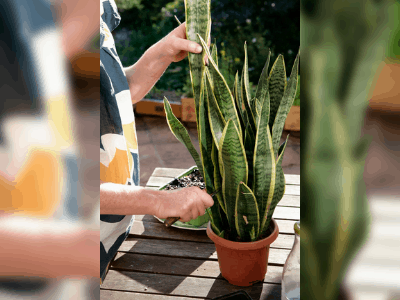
(264, 25)
(393, 51)
(342, 44)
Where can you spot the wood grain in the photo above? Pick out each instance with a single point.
(153, 230)
(182, 267)
(285, 226)
(118, 295)
(184, 286)
(186, 250)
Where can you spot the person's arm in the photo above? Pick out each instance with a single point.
(186, 203)
(45, 248)
(148, 69)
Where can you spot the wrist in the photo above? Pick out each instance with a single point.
(152, 201)
(159, 55)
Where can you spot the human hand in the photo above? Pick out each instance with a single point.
(176, 46)
(187, 203)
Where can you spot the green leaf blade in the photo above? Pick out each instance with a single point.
(206, 142)
(233, 158)
(279, 190)
(276, 87)
(285, 105)
(263, 162)
(221, 90)
(180, 132)
(262, 87)
(217, 121)
(198, 22)
(247, 218)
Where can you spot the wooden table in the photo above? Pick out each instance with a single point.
(158, 263)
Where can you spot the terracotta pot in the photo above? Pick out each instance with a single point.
(243, 264)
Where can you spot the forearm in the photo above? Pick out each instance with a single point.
(47, 249)
(118, 199)
(146, 71)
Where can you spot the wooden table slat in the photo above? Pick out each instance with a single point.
(182, 267)
(167, 172)
(285, 226)
(184, 286)
(187, 250)
(118, 295)
(153, 230)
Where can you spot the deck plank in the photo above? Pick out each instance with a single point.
(184, 286)
(153, 230)
(285, 226)
(118, 295)
(187, 250)
(182, 266)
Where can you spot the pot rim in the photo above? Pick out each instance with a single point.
(244, 245)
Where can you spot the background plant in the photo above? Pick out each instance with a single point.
(265, 25)
(239, 134)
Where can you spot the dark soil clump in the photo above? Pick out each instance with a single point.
(193, 179)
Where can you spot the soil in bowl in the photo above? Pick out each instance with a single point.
(193, 179)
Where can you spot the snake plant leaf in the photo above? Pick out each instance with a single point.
(280, 185)
(215, 228)
(253, 234)
(217, 177)
(263, 161)
(238, 101)
(181, 134)
(249, 118)
(215, 213)
(234, 167)
(276, 87)
(214, 53)
(217, 121)
(249, 142)
(198, 22)
(206, 142)
(247, 92)
(215, 218)
(262, 87)
(222, 92)
(285, 105)
(246, 213)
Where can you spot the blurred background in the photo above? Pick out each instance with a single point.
(350, 149)
(49, 137)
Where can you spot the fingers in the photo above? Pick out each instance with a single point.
(185, 45)
(207, 199)
(188, 203)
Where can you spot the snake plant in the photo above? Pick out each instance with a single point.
(239, 134)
